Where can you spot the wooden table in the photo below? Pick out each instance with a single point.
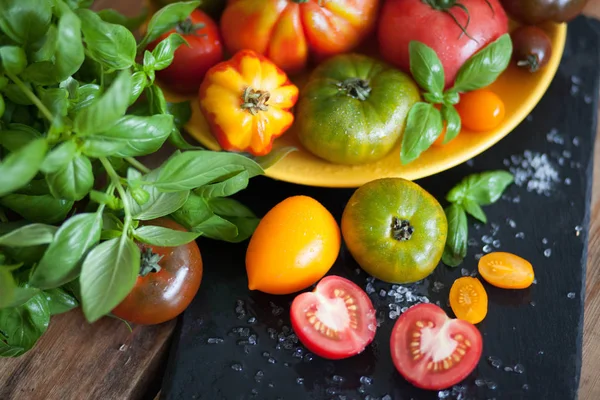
(75, 360)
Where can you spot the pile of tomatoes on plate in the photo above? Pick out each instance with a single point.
(352, 109)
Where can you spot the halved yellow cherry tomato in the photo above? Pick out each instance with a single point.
(469, 300)
(506, 270)
(480, 110)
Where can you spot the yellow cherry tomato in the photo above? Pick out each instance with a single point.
(506, 270)
(481, 110)
(469, 300)
(294, 246)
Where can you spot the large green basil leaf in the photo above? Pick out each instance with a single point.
(483, 188)
(453, 122)
(165, 237)
(245, 227)
(7, 288)
(458, 231)
(227, 187)
(108, 109)
(17, 96)
(59, 301)
(426, 68)
(165, 50)
(217, 228)
(107, 276)
(13, 59)
(61, 261)
(139, 81)
(59, 157)
(22, 326)
(111, 45)
(18, 168)
(56, 100)
(227, 207)
(25, 21)
(159, 203)
(167, 18)
(18, 135)
(69, 54)
(86, 95)
(29, 235)
(195, 211)
(423, 126)
(45, 51)
(45, 209)
(74, 181)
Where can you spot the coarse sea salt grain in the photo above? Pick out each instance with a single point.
(534, 171)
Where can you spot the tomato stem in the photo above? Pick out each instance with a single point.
(532, 63)
(149, 261)
(188, 27)
(446, 5)
(402, 230)
(356, 87)
(255, 100)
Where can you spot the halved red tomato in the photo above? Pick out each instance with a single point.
(432, 351)
(336, 320)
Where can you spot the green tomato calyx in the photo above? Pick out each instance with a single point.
(402, 230)
(188, 27)
(255, 100)
(149, 262)
(356, 88)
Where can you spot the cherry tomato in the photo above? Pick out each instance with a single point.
(537, 11)
(190, 64)
(432, 351)
(336, 320)
(506, 270)
(480, 110)
(163, 295)
(532, 47)
(469, 300)
(293, 246)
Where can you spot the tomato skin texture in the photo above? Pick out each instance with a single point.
(161, 296)
(532, 47)
(288, 32)
(480, 110)
(297, 242)
(506, 270)
(222, 101)
(335, 125)
(366, 228)
(190, 64)
(346, 342)
(469, 300)
(534, 12)
(414, 368)
(452, 46)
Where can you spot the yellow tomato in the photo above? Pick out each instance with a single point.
(469, 300)
(294, 246)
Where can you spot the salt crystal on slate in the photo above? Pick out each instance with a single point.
(259, 375)
(496, 243)
(237, 367)
(508, 369)
(472, 242)
(520, 235)
(574, 90)
(511, 223)
(567, 181)
(478, 256)
(519, 368)
(369, 288)
(571, 295)
(365, 380)
(271, 385)
(331, 391)
(491, 385)
(576, 141)
(382, 293)
(266, 354)
(487, 239)
(254, 392)
(544, 241)
(494, 361)
(532, 303)
(337, 378)
(300, 381)
(541, 352)
(443, 394)
(386, 397)
(487, 248)
(575, 80)
(271, 360)
(214, 340)
(588, 99)
(548, 252)
(525, 386)
(464, 272)
(252, 320)
(437, 286)
(479, 382)
(308, 357)
(578, 230)
(539, 176)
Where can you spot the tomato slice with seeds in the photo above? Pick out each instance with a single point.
(432, 351)
(469, 300)
(506, 270)
(336, 320)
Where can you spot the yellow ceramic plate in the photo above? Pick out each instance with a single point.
(519, 89)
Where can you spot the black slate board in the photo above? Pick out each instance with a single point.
(539, 328)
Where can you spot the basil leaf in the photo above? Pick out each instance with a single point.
(274, 156)
(113, 46)
(69, 54)
(451, 97)
(56, 100)
(181, 112)
(139, 81)
(472, 208)
(217, 228)
(167, 18)
(75, 4)
(141, 135)
(453, 122)
(156, 100)
(36, 187)
(101, 148)
(225, 188)
(178, 141)
(426, 68)
(423, 126)
(7, 350)
(16, 95)
(193, 212)
(59, 157)
(59, 301)
(61, 261)
(111, 221)
(45, 209)
(115, 17)
(483, 188)
(17, 136)
(164, 52)
(38, 73)
(227, 207)
(159, 204)
(13, 59)
(458, 231)
(47, 46)
(107, 276)
(74, 181)
(29, 235)
(23, 325)
(86, 95)
(18, 168)
(25, 21)
(245, 227)
(483, 68)
(193, 169)
(160, 236)
(108, 109)
(7, 288)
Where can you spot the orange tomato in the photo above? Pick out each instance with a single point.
(506, 270)
(480, 110)
(469, 300)
(286, 31)
(440, 140)
(294, 246)
(246, 101)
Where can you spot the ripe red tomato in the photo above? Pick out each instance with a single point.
(161, 296)
(190, 64)
(432, 351)
(439, 27)
(336, 320)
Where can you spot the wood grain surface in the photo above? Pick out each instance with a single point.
(75, 360)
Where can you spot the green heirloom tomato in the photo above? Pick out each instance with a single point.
(395, 230)
(353, 109)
